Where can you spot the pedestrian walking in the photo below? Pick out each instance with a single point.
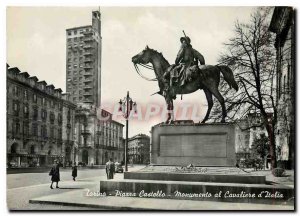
(110, 169)
(54, 173)
(74, 171)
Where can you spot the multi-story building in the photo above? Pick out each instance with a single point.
(98, 139)
(112, 140)
(283, 24)
(139, 149)
(68, 127)
(35, 123)
(83, 64)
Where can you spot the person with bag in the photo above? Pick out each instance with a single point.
(54, 173)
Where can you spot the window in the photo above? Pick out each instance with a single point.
(69, 33)
(59, 119)
(17, 127)
(52, 117)
(34, 129)
(35, 113)
(44, 131)
(26, 95)
(75, 32)
(26, 128)
(16, 91)
(52, 132)
(16, 107)
(44, 102)
(34, 98)
(44, 115)
(26, 112)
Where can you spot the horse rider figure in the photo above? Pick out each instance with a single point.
(186, 57)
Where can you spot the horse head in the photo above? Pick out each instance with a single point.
(143, 57)
(159, 64)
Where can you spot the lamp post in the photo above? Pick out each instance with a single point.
(126, 106)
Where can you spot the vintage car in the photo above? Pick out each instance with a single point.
(118, 168)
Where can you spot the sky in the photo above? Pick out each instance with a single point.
(36, 43)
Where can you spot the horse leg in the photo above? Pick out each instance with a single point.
(214, 90)
(172, 112)
(210, 104)
(169, 111)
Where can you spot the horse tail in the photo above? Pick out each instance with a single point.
(228, 76)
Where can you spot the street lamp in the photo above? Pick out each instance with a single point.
(126, 106)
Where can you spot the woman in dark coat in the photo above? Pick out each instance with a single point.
(74, 171)
(55, 177)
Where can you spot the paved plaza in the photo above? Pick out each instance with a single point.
(35, 187)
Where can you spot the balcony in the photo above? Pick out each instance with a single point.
(87, 100)
(87, 54)
(88, 32)
(88, 66)
(88, 60)
(87, 93)
(100, 146)
(87, 87)
(87, 73)
(88, 39)
(87, 80)
(85, 132)
(111, 148)
(88, 46)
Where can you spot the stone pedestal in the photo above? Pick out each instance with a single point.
(200, 145)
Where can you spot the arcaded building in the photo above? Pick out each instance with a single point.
(83, 66)
(35, 123)
(283, 25)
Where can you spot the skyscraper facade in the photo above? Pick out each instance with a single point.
(83, 64)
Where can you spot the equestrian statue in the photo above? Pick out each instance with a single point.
(187, 75)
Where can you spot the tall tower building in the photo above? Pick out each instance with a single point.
(84, 45)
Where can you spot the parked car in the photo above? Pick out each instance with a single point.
(118, 168)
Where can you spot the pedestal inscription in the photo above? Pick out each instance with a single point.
(193, 145)
(202, 145)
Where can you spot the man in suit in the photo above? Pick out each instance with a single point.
(110, 169)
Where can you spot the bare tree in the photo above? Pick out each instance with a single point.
(252, 56)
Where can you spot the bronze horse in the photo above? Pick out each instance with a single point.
(207, 78)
